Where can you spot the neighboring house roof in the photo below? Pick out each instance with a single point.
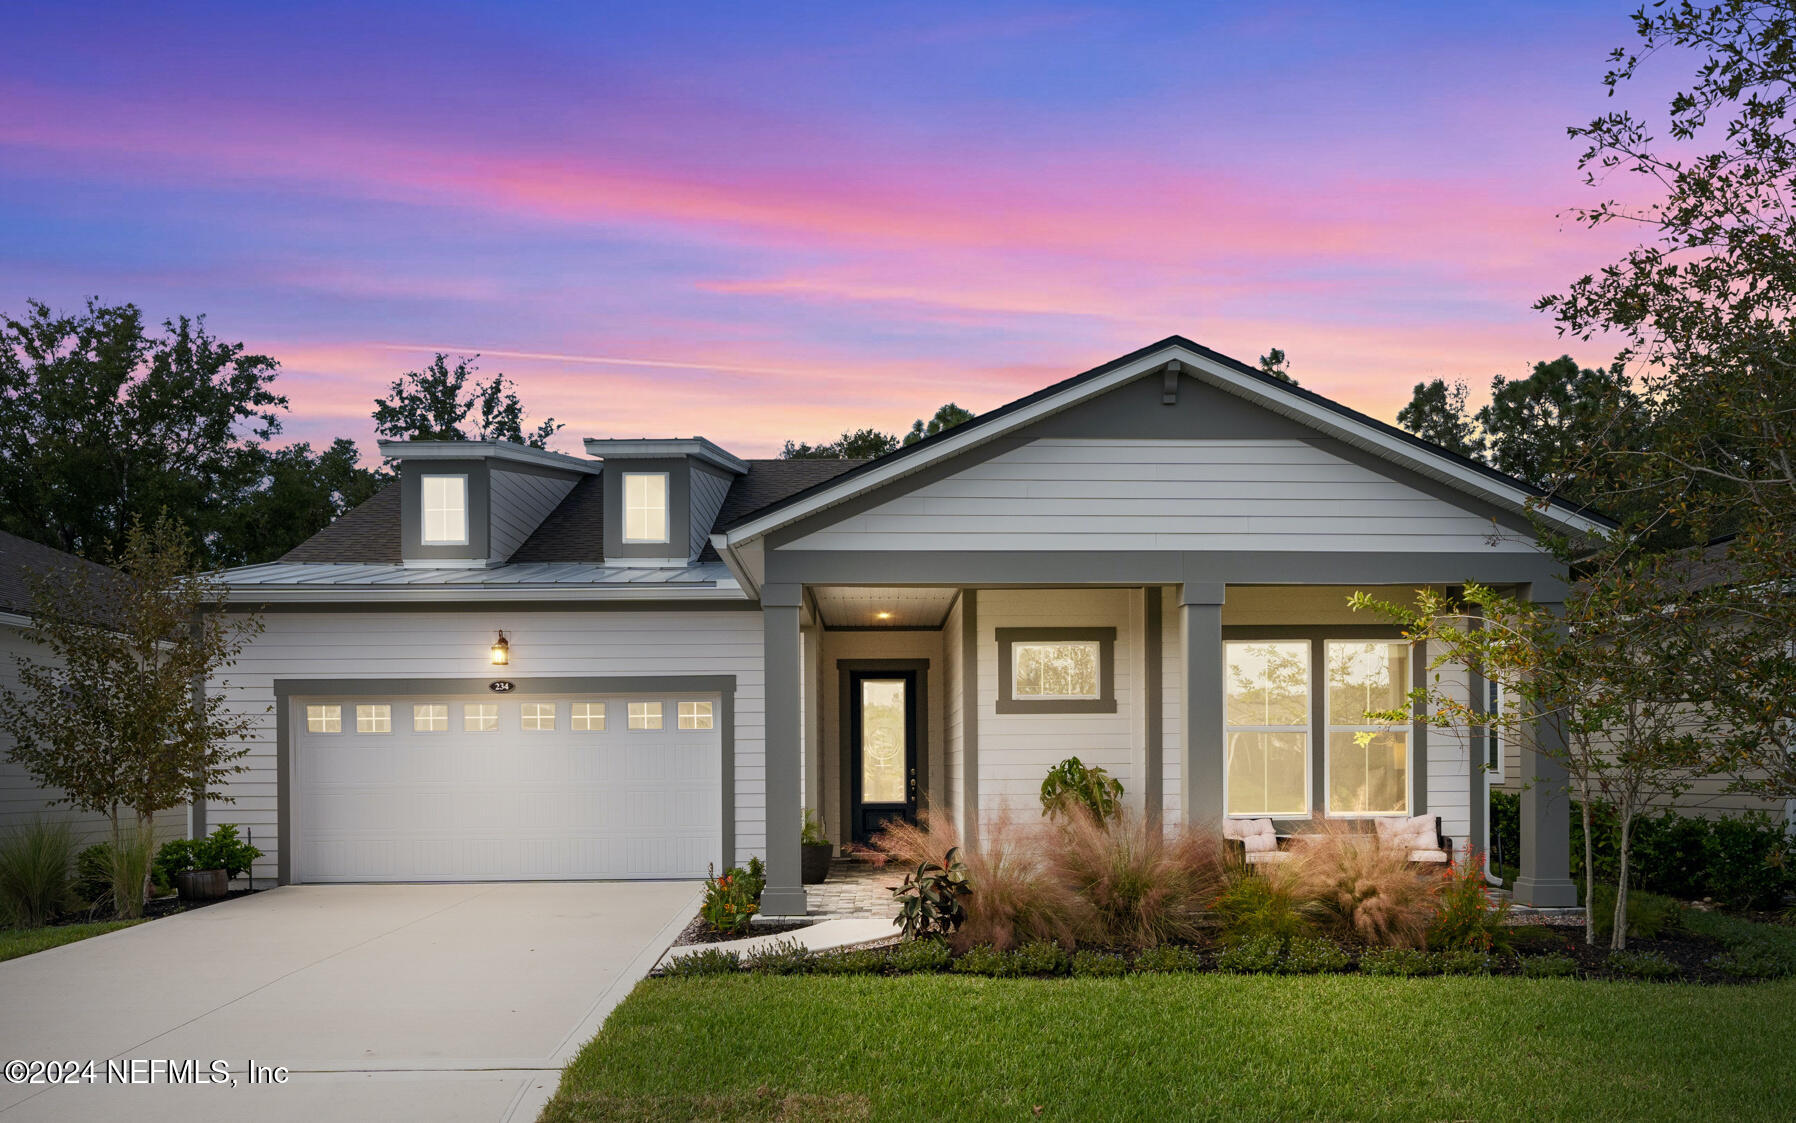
(1198, 361)
(20, 558)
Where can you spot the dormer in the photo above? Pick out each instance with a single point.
(470, 504)
(661, 497)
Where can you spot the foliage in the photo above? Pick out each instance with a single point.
(1555, 966)
(780, 957)
(27, 941)
(440, 404)
(913, 956)
(1255, 906)
(92, 884)
(1308, 955)
(1072, 783)
(731, 900)
(1015, 896)
(1467, 915)
(1463, 961)
(710, 961)
(1360, 890)
(1252, 955)
(1039, 957)
(1642, 965)
(1169, 959)
(1090, 964)
(983, 959)
(1765, 951)
(111, 717)
(1398, 962)
(754, 877)
(105, 425)
(1649, 915)
(1143, 884)
(285, 495)
(35, 861)
(850, 961)
(811, 833)
(945, 418)
(861, 444)
(931, 902)
(220, 850)
(1275, 363)
(1437, 412)
(126, 865)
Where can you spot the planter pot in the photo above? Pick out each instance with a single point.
(814, 869)
(202, 885)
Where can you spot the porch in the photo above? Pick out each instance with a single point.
(957, 700)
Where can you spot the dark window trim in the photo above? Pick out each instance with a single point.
(1104, 703)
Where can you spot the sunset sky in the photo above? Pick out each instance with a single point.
(756, 222)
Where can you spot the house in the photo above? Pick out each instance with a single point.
(642, 661)
(22, 799)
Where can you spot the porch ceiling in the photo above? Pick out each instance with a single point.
(843, 607)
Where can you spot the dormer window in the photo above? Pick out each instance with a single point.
(445, 510)
(645, 506)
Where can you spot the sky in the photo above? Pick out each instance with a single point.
(761, 222)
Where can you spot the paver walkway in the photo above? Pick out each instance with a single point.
(856, 889)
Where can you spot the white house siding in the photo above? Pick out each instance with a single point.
(708, 492)
(519, 502)
(23, 800)
(953, 703)
(841, 645)
(400, 645)
(1213, 495)
(1016, 750)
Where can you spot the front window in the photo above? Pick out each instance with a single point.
(1368, 761)
(645, 506)
(480, 717)
(377, 718)
(445, 510)
(1054, 670)
(1268, 728)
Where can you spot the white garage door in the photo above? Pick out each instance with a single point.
(506, 787)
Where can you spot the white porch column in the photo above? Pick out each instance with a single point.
(1545, 878)
(1201, 702)
(783, 720)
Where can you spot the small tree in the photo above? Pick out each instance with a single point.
(443, 404)
(1602, 682)
(111, 717)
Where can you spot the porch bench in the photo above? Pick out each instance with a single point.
(1255, 841)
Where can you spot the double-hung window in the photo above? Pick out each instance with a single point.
(1368, 760)
(1267, 732)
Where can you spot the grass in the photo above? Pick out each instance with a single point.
(1154, 1047)
(15, 942)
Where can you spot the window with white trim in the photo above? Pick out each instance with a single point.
(374, 718)
(1367, 761)
(1267, 727)
(538, 717)
(430, 717)
(645, 506)
(479, 717)
(324, 719)
(695, 715)
(589, 717)
(445, 505)
(645, 715)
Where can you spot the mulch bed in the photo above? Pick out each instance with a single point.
(1690, 953)
(152, 910)
(697, 933)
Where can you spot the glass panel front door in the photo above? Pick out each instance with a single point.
(885, 750)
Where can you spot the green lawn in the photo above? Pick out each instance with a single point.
(15, 942)
(1186, 1047)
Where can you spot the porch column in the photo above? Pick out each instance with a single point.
(782, 723)
(1201, 698)
(1545, 878)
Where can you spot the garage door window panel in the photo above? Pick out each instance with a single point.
(588, 717)
(538, 717)
(430, 718)
(645, 716)
(695, 715)
(324, 719)
(480, 717)
(376, 718)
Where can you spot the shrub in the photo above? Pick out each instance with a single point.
(1766, 951)
(810, 832)
(1467, 916)
(1143, 885)
(1257, 905)
(1252, 955)
(1310, 956)
(1549, 966)
(1099, 964)
(731, 900)
(220, 850)
(126, 869)
(1013, 895)
(711, 961)
(931, 902)
(780, 957)
(986, 960)
(1073, 785)
(1038, 957)
(1169, 959)
(34, 873)
(1642, 965)
(918, 956)
(92, 885)
(1649, 915)
(1462, 961)
(1399, 962)
(1362, 891)
(1536, 938)
(851, 961)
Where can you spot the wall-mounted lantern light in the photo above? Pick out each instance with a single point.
(501, 650)
(882, 616)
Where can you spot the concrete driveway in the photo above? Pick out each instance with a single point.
(396, 1002)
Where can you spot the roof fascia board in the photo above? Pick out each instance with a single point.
(486, 450)
(452, 594)
(653, 448)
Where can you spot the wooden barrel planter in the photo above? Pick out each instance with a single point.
(202, 885)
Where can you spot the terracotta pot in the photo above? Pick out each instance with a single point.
(202, 885)
(814, 867)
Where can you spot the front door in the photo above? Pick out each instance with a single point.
(883, 738)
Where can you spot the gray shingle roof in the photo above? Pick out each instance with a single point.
(573, 532)
(21, 557)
